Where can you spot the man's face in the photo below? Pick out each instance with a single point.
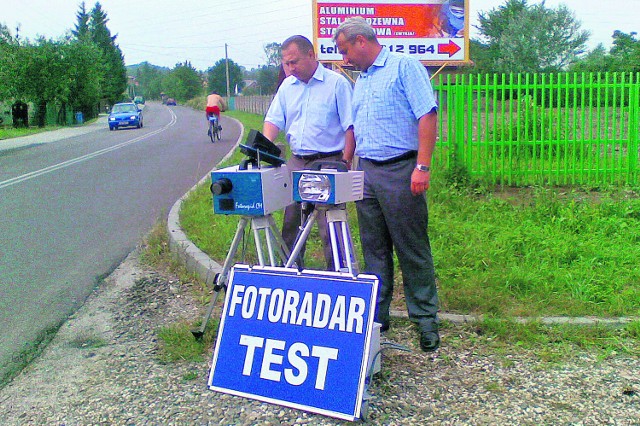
(298, 64)
(352, 53)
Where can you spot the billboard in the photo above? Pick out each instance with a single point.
(436, 32)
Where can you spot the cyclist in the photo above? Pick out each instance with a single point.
(215, 104)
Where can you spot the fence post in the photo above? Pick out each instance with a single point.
(457, 109)
(634, 110)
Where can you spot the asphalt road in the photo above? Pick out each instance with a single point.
(73, 209)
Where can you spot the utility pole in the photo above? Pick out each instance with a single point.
(226, 61)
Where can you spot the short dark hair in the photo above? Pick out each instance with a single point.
(303, 43)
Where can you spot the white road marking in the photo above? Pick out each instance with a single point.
(86, 157)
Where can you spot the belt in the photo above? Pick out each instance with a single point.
(317, 155)
(406, 156)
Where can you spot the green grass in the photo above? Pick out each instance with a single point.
(537, 252)
(177, 344)
(10, 132)
(529, 252)
(557, 342)
(213, 233)
(503, 253)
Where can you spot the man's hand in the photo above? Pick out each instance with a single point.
(420, 181)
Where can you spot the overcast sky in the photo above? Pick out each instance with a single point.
(165, 32)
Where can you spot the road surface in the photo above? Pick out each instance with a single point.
(74, 204)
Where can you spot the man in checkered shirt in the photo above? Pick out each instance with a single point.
(395, 125)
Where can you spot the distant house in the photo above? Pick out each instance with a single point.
(249, 86)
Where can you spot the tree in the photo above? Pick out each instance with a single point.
(42, 75)
(594, 61)
(625, 52)
(183, 82)
(150, 79)
(519, 37)
(267, 76)
(85, 76)
(217, 77)
(81, 31)
(8, 51)
(273, 53)
(624, 56)
(114, 72)
(268, 79)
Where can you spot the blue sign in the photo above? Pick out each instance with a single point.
(299, 339)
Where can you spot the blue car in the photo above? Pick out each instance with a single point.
(125, 115)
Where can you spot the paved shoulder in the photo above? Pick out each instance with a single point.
(53, 135)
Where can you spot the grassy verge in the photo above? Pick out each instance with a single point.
(549, 343)
(213, 233)
(504, 252)
(538, 251)
(527, 252)
(175, 341)
(10, 132)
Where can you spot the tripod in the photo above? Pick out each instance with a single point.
(341, 245)
(264, 230)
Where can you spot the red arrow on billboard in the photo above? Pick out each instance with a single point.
(451, 48)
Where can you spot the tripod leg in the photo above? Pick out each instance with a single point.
(226, 267)
(199, 332)
(256, 237)
(261, 223)
(283, 250)
(349, 253)
(337, 263)
(341, 245)
(221, 279)
(268, 238)
(302, 238)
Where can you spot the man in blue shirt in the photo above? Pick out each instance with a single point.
(313, 108)
(395, 125)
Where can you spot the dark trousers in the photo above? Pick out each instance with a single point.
(293, 216)
(391, 218)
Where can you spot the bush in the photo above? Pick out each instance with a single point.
(521, 135)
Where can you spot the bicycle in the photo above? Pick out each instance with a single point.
(215, 130)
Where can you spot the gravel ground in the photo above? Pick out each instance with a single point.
(102, 369)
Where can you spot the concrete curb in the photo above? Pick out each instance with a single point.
(200, 264)
(195, 260)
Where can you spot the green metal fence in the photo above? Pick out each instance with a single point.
(554, 129)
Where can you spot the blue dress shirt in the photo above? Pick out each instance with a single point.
(388, 100)
(314, 115)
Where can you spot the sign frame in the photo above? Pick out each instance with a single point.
(430, 51)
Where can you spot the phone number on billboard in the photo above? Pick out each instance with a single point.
(413, 49)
